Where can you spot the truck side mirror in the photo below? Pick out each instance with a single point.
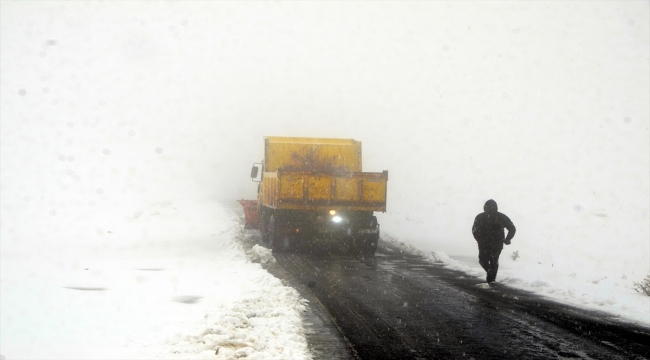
(255, 172)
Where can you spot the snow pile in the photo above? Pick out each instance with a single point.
(260, 254)
(439, 257)
(251, 328)
(168, 280)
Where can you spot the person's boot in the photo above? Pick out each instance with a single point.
(491, 276)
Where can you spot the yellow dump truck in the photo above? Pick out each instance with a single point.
(313, 188)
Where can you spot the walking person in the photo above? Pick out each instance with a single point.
(488, 232)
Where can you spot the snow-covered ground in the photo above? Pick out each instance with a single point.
(165, 281)
(171, 280)
(566, 279)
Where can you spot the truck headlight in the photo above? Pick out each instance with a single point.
(337, 219)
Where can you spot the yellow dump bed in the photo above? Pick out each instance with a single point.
(319, 174)
(311, 154)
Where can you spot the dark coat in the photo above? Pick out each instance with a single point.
(488, 226)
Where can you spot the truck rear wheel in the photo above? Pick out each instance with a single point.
(355, 246)
(273, 234)
(277, 241)
(370, 246)
(364, 246)
(264, 228)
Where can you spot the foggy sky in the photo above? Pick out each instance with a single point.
(542, 106)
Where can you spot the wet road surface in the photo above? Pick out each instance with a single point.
(398, 306)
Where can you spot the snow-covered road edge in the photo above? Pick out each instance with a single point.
(265, 324)
(613, 298)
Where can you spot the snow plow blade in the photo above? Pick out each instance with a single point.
(251, 214)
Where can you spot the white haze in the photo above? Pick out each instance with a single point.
(542, 106)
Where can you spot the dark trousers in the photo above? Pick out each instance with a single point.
(488, 257)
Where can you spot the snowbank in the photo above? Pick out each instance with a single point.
(261, 254)
(165, 281)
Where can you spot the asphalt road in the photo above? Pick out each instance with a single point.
(398, 306)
